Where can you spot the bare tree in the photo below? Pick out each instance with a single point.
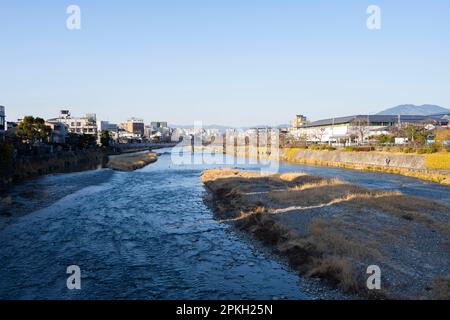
(359, 127)
(318, 134)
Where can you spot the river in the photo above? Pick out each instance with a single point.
(146, 234)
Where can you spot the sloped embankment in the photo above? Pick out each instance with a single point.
(132, 161)
(34, 166)
(334, 230)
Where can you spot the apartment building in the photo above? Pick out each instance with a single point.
(134, 126)
(78, 125)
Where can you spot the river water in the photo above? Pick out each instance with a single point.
(146, 235)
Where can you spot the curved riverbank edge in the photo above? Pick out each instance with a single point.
(131, 162)
(411, 165)
(333, 230)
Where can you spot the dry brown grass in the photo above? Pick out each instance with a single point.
(323, 253)
(339, 271)
(292, 176)
(406, 207)
(132, 162)
(321, 183)
(332, 247)
(441, 288)
(324, 194)
(328, 238)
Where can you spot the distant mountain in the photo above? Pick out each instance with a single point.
(410, 109)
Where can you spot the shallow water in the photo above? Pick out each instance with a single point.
(145, 235)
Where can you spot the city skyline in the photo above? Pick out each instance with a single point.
(227, 63)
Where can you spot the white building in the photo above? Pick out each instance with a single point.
(345, 130)
(78, 125)
(158, 131)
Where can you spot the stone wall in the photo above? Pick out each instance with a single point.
(407, 161)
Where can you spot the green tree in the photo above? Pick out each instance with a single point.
(81, 141)
(86, 141)
(105, 138)
(416, 134)
(32, 129)
(385, 138)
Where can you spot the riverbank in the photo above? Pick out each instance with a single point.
(428, 167)
(130, 162)
(28, 167)
(334, 230)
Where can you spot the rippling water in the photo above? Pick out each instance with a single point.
(144, 235)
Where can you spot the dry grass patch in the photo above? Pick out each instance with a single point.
(132, 162)
(324, 252)
(329, 239)
(292, 176)
(339, 271)
(335, 247)
(321, 183)
(441, 288)
(408, 208)
(325, 193)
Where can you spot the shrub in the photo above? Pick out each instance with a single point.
(407, 150)
(321, 147)
(359, 148)
(432, 148)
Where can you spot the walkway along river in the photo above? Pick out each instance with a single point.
(147, 234)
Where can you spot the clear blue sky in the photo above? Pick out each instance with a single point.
(225, 62)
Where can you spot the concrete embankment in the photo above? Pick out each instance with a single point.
(407, 161)
(70, 161)
(430, 167)
(130, 162)
(333, 230)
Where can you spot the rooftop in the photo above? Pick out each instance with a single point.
(373, 118)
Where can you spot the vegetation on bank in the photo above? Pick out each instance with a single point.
(31, 130)
(418, 149)
(31, 150)
(439, 161)
(435, 161)
(6, 159)
(333, 230)
(132, 161)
